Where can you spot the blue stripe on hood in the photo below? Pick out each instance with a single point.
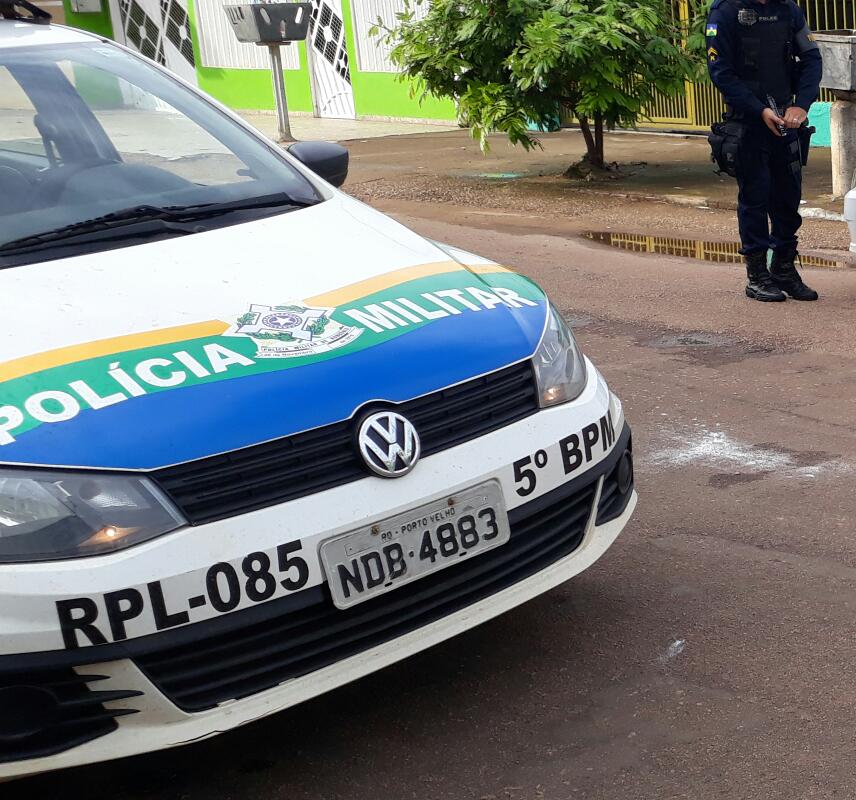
(197, 421)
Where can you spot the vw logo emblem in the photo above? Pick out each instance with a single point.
(388, 444)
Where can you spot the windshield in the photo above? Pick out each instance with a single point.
(89, 131)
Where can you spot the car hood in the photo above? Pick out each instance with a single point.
(162, 353)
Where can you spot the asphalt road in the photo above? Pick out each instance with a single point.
(709, 654)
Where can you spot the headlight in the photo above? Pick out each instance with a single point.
(53, 515)
(559, 366)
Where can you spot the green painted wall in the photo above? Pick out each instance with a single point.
(382, 94)
(95, 23)
(250, 89)
(98, 89)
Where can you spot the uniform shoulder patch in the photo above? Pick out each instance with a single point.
(711, 30)
(712, 55)
(805, 40)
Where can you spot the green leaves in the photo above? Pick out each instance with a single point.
(509, 63)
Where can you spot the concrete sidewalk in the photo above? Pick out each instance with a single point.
(306, 127)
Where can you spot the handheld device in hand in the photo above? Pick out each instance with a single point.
(775, 108)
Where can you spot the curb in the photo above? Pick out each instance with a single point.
(687, 200)
(699, 201)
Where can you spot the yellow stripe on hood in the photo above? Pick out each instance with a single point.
(27, 365)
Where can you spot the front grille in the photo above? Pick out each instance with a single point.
(43, 712)
(266, 474)
(306, 632)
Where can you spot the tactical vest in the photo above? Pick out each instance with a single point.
(766, 59)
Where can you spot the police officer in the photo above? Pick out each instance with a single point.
(762, 56)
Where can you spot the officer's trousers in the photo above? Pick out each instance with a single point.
(770, 191)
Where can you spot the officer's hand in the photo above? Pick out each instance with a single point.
(772, 120)
(795, 117)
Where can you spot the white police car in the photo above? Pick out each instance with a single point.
(256, 439)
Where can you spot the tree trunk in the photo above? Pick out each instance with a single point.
(594, 140)
(598, 142)
(591, 146)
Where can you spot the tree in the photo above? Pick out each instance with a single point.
(507, 63)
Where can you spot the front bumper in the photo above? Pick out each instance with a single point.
(194, 681)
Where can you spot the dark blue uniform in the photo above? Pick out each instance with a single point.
(756, 50)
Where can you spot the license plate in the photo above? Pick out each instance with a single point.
(381, 557)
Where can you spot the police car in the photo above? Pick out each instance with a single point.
(257, 439)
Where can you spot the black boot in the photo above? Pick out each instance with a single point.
(761, 286)
(784, 273)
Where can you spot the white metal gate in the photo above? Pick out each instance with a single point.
(373, 51)
(159, 29)
(332, 93)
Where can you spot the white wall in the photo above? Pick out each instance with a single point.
(219, 48)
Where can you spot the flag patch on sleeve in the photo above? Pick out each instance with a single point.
(711, 30)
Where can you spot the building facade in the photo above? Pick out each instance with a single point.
(346, 75)
(342, 71)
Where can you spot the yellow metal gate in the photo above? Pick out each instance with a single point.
(701, 105)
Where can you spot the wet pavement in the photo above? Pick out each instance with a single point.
(666, 187)
(707, 655)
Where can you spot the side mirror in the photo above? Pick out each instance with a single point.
(326, 159)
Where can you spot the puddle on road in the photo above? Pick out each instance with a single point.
(708, 349)
(700, 339)
(719, 252)
(500, 176)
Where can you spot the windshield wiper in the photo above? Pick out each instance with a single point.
(98, 230)
(206, 210)
(129, 222)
